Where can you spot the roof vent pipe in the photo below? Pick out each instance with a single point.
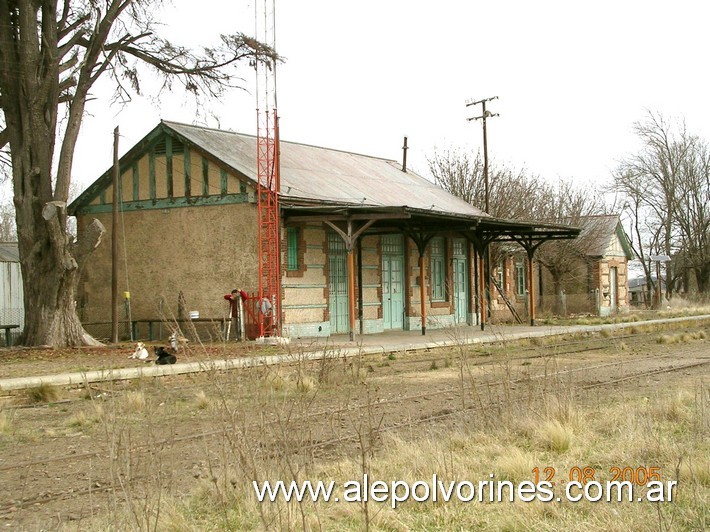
(404, 155)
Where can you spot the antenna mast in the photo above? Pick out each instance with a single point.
(268, 182)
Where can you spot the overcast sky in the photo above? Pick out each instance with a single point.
(571, 78)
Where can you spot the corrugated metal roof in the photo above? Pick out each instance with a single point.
(597, 233)
(9, 252)
(331, 176)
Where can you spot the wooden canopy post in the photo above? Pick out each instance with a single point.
(351, 290)
(480, 246)
(422, 291)
(422, 240)
(530, 246)
(531, 291)
(350, 237)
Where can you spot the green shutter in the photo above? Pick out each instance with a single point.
(520, 278)
(438, 275)
(292, 256)
(205, 177)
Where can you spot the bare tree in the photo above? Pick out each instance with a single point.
(7, 223)
(644, 233)
(567, 204)
(517, 194)
(512, 193)
(666, 185)
(51, 55)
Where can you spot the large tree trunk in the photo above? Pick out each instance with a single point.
(50, 281)
(49, 259)
(51, 263)
(702, 277)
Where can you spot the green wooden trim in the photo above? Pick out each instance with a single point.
(136, 182)
(169, 165)
(205, 176)
(375, 304)
(102, 197)
(371, 285)
(169, 203)
(93, 191)
(119, 186)
(242, 187)
(188, 171)
(139, 150)
(318, 305)
(621, 235)
(151, 173)
(369, 267)
(223, 178)
(292, 235)
(316, 266)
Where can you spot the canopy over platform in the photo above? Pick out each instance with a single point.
(421, 225)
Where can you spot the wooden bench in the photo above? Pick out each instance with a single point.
(8, 328)
(151, 335)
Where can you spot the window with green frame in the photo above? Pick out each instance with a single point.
(292, 249)
(438, 269)
(520, 278)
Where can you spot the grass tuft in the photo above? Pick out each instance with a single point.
(44, 393)
(555, 437)
(515, 465)
(6, 419)
(305, 384)
(202, 402)
(134, 401)
(697, 471)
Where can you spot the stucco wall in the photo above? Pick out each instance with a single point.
(202, 252)
(165, 249)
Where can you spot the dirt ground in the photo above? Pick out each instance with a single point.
(69, 456)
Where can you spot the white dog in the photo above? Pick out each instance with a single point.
(141, 353)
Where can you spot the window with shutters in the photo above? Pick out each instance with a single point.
(438, 269)
(292, 251)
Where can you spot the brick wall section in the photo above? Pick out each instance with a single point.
(307, 286)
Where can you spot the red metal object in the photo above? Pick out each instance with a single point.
(268, 212)
(252, 317)
(268, 180)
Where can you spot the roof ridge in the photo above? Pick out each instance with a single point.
(304, 144)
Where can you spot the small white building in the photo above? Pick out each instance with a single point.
(12, 308)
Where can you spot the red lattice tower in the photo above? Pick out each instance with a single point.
(268, 183)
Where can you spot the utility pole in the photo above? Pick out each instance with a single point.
(485, 114)
(114, 242)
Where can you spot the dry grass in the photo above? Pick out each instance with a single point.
(515, 464)
(83, 419)
(682, 338)
(555, 437)
(134, 401)
(44, 393)
(6, 419)
(507, 442)
(202, 402)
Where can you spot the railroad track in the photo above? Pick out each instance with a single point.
(324, 444)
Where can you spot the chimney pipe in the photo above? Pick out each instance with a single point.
(404, 155)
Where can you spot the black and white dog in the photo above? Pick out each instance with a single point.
(164, 356)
